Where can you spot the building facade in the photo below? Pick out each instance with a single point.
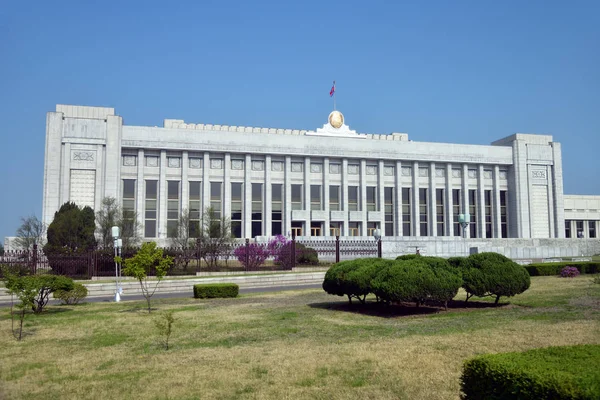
(330, 181)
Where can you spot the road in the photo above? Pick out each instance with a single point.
(189, 294)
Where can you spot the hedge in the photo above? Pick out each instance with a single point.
(548, 269)
(336, 277)
(214, 290)
(560, 373)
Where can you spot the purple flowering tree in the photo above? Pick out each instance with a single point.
(276, 246)
(569, 272)
(255, 257)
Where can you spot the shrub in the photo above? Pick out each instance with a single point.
(408, 257)
(569, 272)
(570, 372)
(41, 285)
(214, 290)
(73, 296)
(257, 254)
(304, 255)
(456, 262)
(358, 280)
(415, 281)
(547, 269)
(336, 278)
(492, 274)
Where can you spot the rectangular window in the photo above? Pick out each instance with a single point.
(257, 206)
(371, 228)
(439, 211)
(236, 209)
(128, 206)
(334, 198)
(335, 228)
(487, 198)
(151, 209)
(215, 199)
(473, 212)
(579, 228)
(503, 214)
(315, 228)
(297, 197)
(406, 222)
(568, 228)
(195, 209)
(371, 198)
(315, 198)
(423, 214)
(297, 228)
(388, 199)
(592, 229)
(354, 228)
(353, 203)
(456, 207)
(172, 208)
(276, 209)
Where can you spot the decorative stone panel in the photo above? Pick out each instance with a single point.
(237, 164)
(297, 167)
(258, 165)
(440, 172)
(487, 173)
(388, 170)
(456, 173)
(406, 171)
(353, 169)
(216, 163)
(152, 161)
(472, 173)
(277, 166)
(83, 155)
(174, 162)
(128, 160)
(195, 162)
(335, 168)
(423, 172)
(503, 174)
(371, 169)
(82, 188)
(316, 168)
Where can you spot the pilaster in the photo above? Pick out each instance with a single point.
(448, 203)
(496, 219)
(247, 223)
(465, 197)
(557, 181)
(287, 220)
(267, 206)
(381, 196)
(140, 196)
(326, 207)
(363, 197)
(227, 185)
(480, 203)
(398, 199)
(416, 222)
(432, 201)
(345, 206)
(162, 197)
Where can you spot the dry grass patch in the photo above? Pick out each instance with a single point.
(281, 346)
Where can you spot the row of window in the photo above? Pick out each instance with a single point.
(580, 229)
(152, 161)
(316, 203)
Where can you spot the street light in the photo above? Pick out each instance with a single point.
(118, 243)
(463, 220)
(377, 236)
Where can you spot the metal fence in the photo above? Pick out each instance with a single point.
(231, 257)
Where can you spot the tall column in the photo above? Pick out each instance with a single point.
(519, 199)
(416, 226)
(267, 206)
(448, 203)
(497, 221)
(66, 174)
(381, 196)
(465, 197)
(140, 196)
(112, 177)
(480, 202)
(52, 166)
(398, 198)
(287, 220)
(307, 189)
(557, 182)
(205, 182)
(185, 186)
(363, 197)
(247, 197)
(345, 206)
(326, 197)
(162, 197)
(432, 201)
(551, 199)
(227, 186)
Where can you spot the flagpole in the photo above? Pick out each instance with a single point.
(333, 95)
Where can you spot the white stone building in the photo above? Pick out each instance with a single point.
(317, 183)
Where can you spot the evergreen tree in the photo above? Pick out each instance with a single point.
(71, 231)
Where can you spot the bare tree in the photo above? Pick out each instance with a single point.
(111, 214)
(215, 238)
(31, 231)
(183, 237)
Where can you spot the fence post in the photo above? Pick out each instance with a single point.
(293, 252)
(337, 248)
(34, 259)
(246, 253)
(379, 248)
(197, 254)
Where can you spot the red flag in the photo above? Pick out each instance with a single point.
(332, 91)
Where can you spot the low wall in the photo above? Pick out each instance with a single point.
(186, 285)
(512, 248)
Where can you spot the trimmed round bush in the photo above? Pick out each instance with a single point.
(416, 281)
(73, 296)
(358, 281)
(408, 257)
(492, 274)
(335, 281)
(456, 262)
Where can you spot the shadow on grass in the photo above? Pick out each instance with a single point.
(404, 309)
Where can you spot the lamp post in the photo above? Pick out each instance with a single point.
(463, 220)
(117, 243)
(377, 236)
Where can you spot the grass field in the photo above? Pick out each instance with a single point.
(289, 345)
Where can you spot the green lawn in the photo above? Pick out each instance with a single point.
(289, 345)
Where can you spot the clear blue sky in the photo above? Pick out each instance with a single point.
(442, 71)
